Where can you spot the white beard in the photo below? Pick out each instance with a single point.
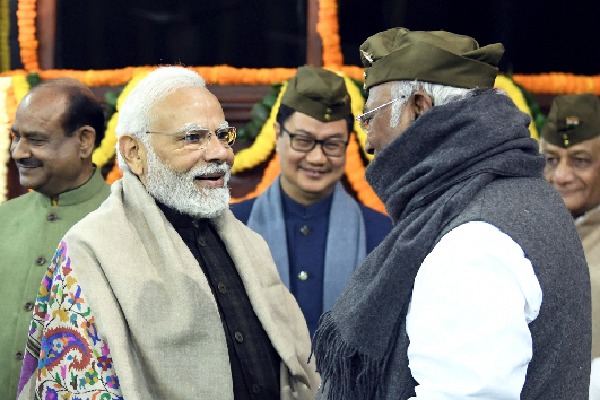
(178, 191)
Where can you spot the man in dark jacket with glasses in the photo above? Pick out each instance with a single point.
(318, 234)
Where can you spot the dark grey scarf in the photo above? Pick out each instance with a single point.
(425, 177)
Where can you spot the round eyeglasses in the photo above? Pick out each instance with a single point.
(197, 138)
(365, 119)
(305, 143)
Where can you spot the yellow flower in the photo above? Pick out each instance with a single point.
(5, 84)
(63, 315)
(106, 150)
(263, 144)
(506, 84)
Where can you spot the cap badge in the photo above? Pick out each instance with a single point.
(565, 140)
(367, 56)
(572, 122)
(327, 114)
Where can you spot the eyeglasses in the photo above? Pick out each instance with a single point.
(193, 139)
(304, 143)
(365, 119)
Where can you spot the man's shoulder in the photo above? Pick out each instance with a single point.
(18, 204)
(242, 209)
(102, 219)
(372, 214)
(375, 219)
(377, 225)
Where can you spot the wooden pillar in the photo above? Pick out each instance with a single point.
(46, 33)
(314, 47)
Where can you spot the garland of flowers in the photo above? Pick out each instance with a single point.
(106, 151)
(12, 90)
(219, 75)
(4, 34)
(559, 83)
(20, 87)
(328, 29)
(355, 172)
(507, 84)
(264, 143)
(5, 84)
(269, 174)
(357, 103)
(28, 44)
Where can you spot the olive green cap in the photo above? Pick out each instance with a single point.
(439, 57)
(572, 119)
(318, 93)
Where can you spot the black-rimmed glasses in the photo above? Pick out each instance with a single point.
(198, 138)
(305, 143)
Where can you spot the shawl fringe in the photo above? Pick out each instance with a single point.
(353, 373)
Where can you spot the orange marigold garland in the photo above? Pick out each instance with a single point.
(28, 44)
(114, 174)
(269, 174)
(559, 83)
(219, 75)
(328, 29)
(355, 172)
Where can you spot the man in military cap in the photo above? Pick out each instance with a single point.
(481, 289)
(571, 143)
(317, 233)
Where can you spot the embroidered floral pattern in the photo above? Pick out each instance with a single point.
(74, 362)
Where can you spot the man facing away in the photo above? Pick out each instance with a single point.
(571, 143)
(317, 233)
(481, 290)
(162, 293)
(52, 140)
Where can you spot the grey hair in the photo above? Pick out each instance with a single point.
(134, 113)
(440, 94)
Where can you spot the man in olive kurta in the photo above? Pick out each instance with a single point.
(571, 143)
(52, 140)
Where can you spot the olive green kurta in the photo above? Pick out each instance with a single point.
(30, 230)
(588, 228)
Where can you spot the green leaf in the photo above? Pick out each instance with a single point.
(260, 112)
(33, 79)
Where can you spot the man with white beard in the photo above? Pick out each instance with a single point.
(162, 293)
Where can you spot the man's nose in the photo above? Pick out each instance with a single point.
(563, 173)
(19, 149)
(316, 154)
(215, 150)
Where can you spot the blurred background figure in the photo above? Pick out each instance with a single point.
(571, 143)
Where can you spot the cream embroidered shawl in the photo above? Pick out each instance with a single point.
(154, 307)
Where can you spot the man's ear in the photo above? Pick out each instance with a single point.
(423, 102)
(277, 129)
(129, 148)
(87, 138)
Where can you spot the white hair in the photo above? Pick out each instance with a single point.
(134, 113)
(440, 94)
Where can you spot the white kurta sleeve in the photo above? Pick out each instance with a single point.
(473, 298)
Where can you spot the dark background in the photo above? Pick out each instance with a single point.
(539, 36)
